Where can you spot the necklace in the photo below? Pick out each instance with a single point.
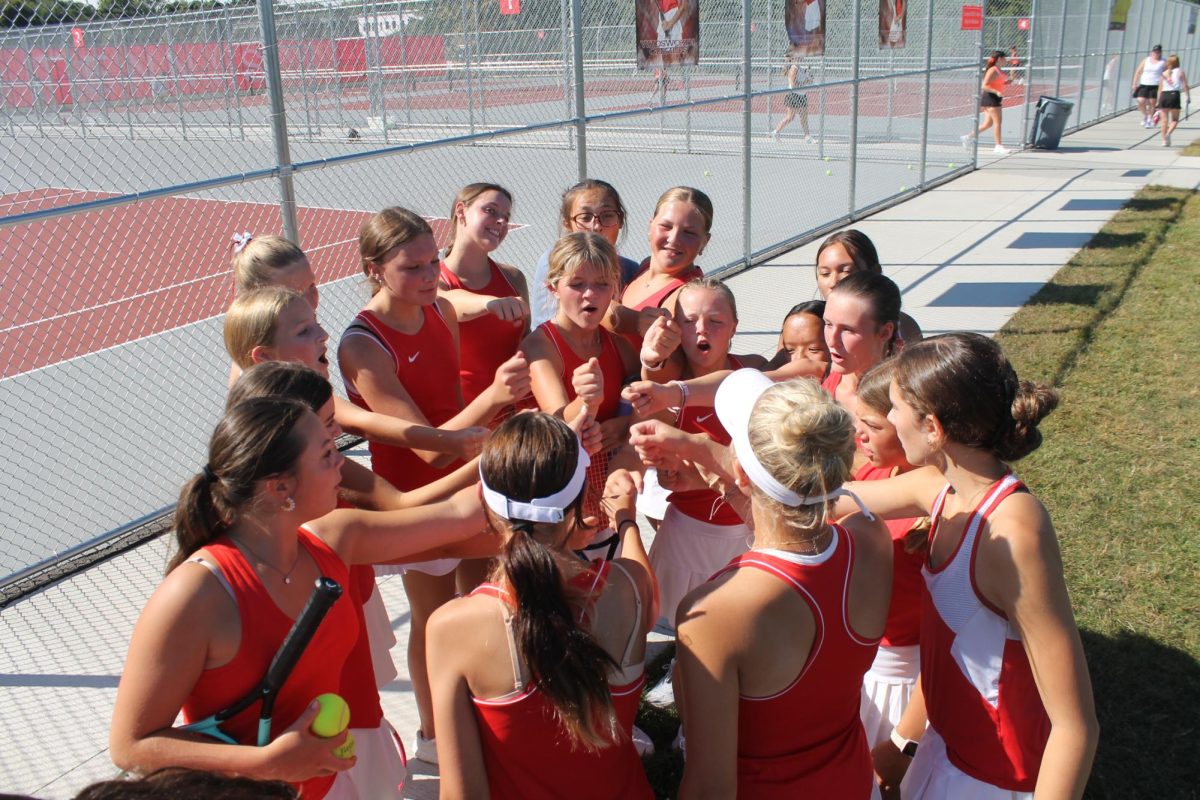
(287, 576)
(805, 547)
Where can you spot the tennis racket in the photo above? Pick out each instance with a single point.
(325, 593)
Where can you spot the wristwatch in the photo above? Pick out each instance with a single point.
(906, 746)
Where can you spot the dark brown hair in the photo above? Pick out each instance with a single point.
(965, 380)
(528, 456)
(590, 185)
(255, 439)
(883, 296)
(178, 783)
(468, 195)
(873, 386)
(858, 246)
(288, 379)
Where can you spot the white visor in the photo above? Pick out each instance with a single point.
(539, 509)
(736, 398)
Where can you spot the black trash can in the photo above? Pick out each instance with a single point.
(1049, 122)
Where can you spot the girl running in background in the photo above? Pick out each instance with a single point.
(890, 681)
(991, 103)
(589, 206)
(255, 528)
(400, 357)
(860, 330)
(997, 612)
(490, 300)
(573, 360)
(766, 714)
(537, 674)
(679, 232)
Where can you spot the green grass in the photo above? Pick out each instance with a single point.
(1118, 331)
(1115, 329)
(1192, 149)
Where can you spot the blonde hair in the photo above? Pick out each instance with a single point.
(712, 285)
(468, 195)
(253, 319)
(257, 263)
(805, 441)
(686, 194)
(575, 250)
(1172, 61)
(384, 232)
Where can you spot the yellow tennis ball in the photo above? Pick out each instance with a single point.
(333, 717)
(950, 165)
(826, 158)
(828, 172)
(707, 174)
(347, 748)
(904, 188)
(910, 166)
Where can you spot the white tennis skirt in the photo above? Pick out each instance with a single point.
(437, 567)
(686, 552)
(931, 776)
(887, 687)
(381, 637)
(381, 770)
(652, 501)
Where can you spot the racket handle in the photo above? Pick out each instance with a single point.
(325, 593)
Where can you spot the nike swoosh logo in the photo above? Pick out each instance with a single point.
(413, 357)
(701, 419)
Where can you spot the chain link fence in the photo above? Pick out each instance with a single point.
(134, 149)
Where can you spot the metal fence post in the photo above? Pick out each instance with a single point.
(1062, 43)
(1029, 62)
(747, 215)
(477, 51)
(337, 72)
(928, 88)
(854, 90)
(128, 92)
(173, 60)
(1087, 38)
(283, 157)
(564, 14)
(577, 58)
(979, 87)
(408, 74)
(466, 59)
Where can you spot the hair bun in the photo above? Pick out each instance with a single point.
(1030, 406)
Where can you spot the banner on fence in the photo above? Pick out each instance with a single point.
(668, 32)
(893, 24)
(805, 22)
(1119, 14)
(972, 18)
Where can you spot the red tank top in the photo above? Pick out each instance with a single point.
(527, 753)
(808, 740)
(979, 688)
(264, 627)
(487, 341)
(613, 371)
(998, 81)
(658, 298)
(705, 504)
(358, 676)
(427, 365)
(904, 614)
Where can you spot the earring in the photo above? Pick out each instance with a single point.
(290, 505)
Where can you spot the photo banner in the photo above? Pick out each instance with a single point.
(805, 23)
(893, 24)
(1119, 14)
(668, 33)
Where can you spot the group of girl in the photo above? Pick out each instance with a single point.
(528, 684)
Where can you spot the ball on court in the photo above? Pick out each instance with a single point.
(828, 172)
(950, 165)
(333, 717)
(826, 158)
(910, 167)
(904, 188)
(347, 748)
(707, 174)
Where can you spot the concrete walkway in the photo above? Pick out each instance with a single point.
(966, 255)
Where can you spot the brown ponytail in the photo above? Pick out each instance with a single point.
(528, 456)
(965, 380)
(256, 439)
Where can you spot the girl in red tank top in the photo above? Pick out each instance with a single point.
(679, 232)
(537, 674)
(243, 570)
(891, 680)
(400, 357)
(768, 715)
(490, 300)
(573, 360)
(995, 609)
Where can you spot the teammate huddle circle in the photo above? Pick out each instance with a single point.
(860, 589)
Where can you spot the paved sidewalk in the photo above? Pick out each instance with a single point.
(966, 255)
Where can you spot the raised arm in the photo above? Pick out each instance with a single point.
(460, 444)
